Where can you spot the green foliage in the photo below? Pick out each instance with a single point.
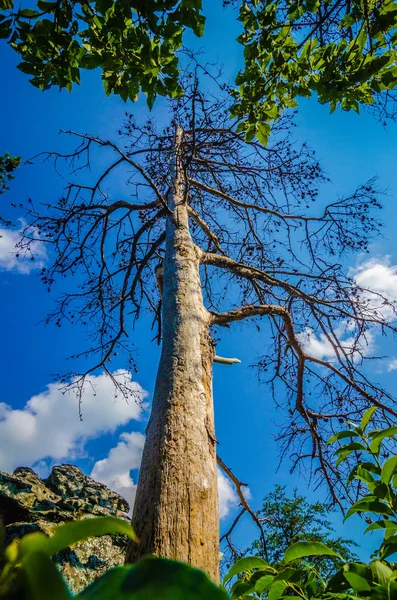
(302, 549)
(154, 578)
(377, 475)
(290, 519)
(29, 573)
(27, 561)
(291, 576)
(342, 51)
(70, 533)
(296, 574)
(133, 43)
(297, 579)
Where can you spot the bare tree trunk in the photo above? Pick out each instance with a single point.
(176, 506)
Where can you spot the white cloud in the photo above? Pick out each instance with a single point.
(379, 277)
(321, 347)
(114, 471)
(48, 430)
(14, 259)
(378, 280)
(49, 426)
(228, 498)
(392, 364)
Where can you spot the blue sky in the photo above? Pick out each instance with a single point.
(352, 149)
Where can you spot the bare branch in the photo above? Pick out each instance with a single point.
(239, 485)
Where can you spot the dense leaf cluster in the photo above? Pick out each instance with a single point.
(134, 43)
(297, 575)
(342, 51)
(379, 476)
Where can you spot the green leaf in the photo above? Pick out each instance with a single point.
(91, 61)
(150, 99)
(362, 38)
(302, 549)
(379, 436)
(388, 469)
(382, 524)
(43, 578)
(245, 564)
(250, 132)
(263, 583)
(26, 68)
(371, 467)
(70, 533)
(388, 547)
(241, 588)
(367, 417)
(306, 49)
(369, 504)
(287, 574)
(277, 590)
(342, 456)
(5, 29)
(358, 583)
(262, 133)
(381, 572)
(28, 13)
(358, 575)
(151, 579)
(342, 435)
(337, 583)
(6, 4)
(364, 475)
(351, 447)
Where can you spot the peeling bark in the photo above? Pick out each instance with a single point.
(176, 506)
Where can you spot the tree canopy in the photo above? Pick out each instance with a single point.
(133, 43)
(341, 50)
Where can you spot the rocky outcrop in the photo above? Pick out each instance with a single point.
(28, 503)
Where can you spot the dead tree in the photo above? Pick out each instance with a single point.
(209, 229)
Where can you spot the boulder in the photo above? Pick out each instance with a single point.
(28, 503)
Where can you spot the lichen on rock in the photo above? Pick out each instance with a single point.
(28, 503)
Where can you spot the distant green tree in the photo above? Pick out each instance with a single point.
(8, 164)
(290, 519)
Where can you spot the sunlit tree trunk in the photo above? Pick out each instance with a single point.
(176, 506)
